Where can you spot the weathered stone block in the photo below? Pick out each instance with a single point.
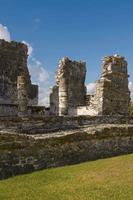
(13, 63)
(70, 80)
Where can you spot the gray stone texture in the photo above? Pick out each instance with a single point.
(33, 140)
(23, 153)
(13, 63)
(112, 95)
(112, 92)
(70, 80)
(22, 95)
(54, 101)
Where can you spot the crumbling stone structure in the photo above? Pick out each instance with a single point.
(32, 142)
(112, 93)
(22, 96)
(54, 101)
(68, 97)
(13, 63)
(21, 154)
(70, 90)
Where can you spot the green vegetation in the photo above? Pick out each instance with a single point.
(107, 179)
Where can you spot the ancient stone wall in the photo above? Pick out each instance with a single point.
(13, 63)
(12, 110)
(36, 123)
(33, 95)
(22, 154)
(8, 110)
(54, 101)
(22, 95)
(70, 81)
(112, 92)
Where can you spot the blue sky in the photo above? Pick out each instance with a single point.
(80, 29)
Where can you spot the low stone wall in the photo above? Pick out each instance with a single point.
(23, 153)
(8, 110)
(38, 111)
(35, 125)
(11, 110)
(82, 110)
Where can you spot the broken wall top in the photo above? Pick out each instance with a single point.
(13, 63)
(70, 69)
(115, 63)
(13, 59)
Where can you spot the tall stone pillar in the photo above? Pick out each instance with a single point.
(63, 97)
(54, 101)
(70, 81)
(22, 96)
(112, 92)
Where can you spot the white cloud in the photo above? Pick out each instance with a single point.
(44, 96)
(39, 74)
(30, 49)
(40, 77)
(91, 88)
(131, 89)
(4, 33)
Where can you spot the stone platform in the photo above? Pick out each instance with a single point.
(26, 146)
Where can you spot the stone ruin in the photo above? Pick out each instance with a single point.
(70, 90)
(22, 95)
(18, 96)
(16, 88)
(112, 93)
(112, 96)
(13, 63)
(33, 137)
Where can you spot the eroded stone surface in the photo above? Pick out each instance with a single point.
(13, 63)
(70, 80)
(33, 140)
(112, 93)
(22, 95)
(26, 153)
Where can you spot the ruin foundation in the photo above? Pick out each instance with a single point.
(77, 127)
(21, 154)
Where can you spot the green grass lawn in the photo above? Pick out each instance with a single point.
(107, 179)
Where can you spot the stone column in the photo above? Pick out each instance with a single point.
(63, 97)
(22, 96)
(54, 101)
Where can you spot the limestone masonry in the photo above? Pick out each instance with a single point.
(70, 87)
(112, 93)
(69, 96)
(13, 63)
(22, 153)
(76, 127)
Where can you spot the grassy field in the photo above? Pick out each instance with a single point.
(107, 179)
